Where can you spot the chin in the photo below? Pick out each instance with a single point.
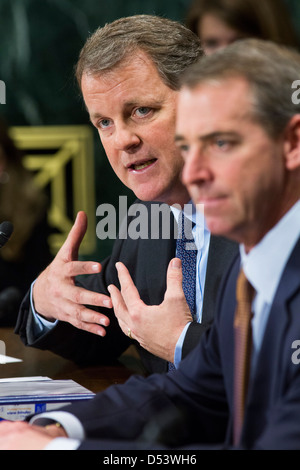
(149, 195)
(218, 227)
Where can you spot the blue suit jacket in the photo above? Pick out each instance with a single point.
(192, 407)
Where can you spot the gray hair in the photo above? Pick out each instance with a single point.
(270, 70)
(171, 46)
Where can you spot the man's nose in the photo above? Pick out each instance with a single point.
(196, 168)
(126, 139)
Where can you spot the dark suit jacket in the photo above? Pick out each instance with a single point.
(16, 276)
(147, 261)
(193, 405)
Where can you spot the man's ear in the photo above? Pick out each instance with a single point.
(292, 143)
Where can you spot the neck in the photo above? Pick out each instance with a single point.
(286, 206)
(178, 198)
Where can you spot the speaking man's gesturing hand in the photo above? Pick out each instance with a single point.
(156, 327)
(55, 295)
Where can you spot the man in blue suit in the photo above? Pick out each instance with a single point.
(238, 129)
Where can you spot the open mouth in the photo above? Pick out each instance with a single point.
(141, 165)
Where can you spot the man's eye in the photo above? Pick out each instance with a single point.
(184, 148)
(211, 43)
(222, 144)
(142, 111)
(104, 123)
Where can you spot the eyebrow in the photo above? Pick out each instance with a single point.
(209, 136)
(131, 104)
(178, 137)
(95, 116)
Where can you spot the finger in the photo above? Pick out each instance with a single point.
(174, 278)
(69, 250)
(51, 430)
(84, 318)
(76, 268)
(129, 291)
(118, 303)
(12, 426)
(81, 296)
(86, 315)
(125, 329)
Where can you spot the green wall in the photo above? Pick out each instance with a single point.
(40, 41)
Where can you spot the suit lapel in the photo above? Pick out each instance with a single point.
(276, 344)
(221, 253)
(157, 254)
(279, 317)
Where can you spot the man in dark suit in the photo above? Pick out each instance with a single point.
(238, 128)
(128, 73)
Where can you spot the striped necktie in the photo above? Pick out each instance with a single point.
(242, 351)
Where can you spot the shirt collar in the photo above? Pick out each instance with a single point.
(264, 264)
(193, 213)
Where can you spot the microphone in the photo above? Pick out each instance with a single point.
(10, 300)
(6, 229)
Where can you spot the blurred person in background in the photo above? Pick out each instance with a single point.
(218, 23)
(25, 206)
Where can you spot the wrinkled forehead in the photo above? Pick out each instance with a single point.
(134, 61)
(229, 91)
(120, 90)
(212, 106)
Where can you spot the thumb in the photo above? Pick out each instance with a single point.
(70, 248)
(174, 277)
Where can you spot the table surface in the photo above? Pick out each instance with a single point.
(44, 363)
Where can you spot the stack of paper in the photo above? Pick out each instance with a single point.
(7, 359)
(22, 396)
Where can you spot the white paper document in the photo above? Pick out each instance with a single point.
(7, 359)
(25, 379)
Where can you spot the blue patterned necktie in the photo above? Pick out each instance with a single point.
(187, 252)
